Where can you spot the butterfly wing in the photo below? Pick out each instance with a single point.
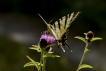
(61, 29)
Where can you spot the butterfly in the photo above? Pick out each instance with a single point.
(60, 29)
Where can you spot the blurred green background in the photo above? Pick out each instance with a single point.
(20, 27)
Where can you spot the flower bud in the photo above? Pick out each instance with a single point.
(89, 35)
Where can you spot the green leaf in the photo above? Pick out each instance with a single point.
(35, 47)
(96, 38)
(85, 66)
(29, 64)
(81, 38)
(51, 55)
(33, 63)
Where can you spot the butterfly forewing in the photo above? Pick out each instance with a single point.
(53, 31)
(57, 29)
(69, 18)
(75, 17)
(62, 25)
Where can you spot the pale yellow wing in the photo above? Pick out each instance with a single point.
(64, 24)
(69, 19)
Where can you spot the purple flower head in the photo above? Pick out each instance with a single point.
(46, 39)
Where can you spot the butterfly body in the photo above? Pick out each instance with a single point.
(60, 29)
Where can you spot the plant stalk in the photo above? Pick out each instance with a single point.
(44, 63)
(83, 56)
(41, 60)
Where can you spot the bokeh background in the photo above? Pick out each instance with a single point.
(20, 27)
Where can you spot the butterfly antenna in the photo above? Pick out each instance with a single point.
(69, 48)
(42, 18)
(51, 21)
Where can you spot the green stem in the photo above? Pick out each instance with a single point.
(44, 63)
(41, 61)
(83, 56)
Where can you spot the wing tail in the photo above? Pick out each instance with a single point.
(61, 47)
(69, 47)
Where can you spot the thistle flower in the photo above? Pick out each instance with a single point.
(46, 39)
